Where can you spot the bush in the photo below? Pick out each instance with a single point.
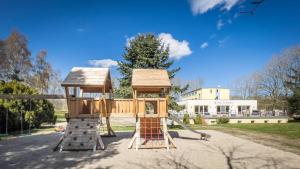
(186, 119)
(35, 112)
(222, 120)
(198, 119)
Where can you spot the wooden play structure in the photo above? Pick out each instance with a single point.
(89, 99)
(87, 90)
(150, 96)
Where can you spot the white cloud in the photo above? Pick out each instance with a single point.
(204, 45)
(202, 6)
(229, 4)
(128, 39)
(220, 24)
(103, 63)
(178, 49)
(212, 36)
(223, 41)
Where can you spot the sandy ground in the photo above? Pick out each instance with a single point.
(221, 151)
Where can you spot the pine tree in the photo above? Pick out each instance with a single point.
(294, 85)
(145, 51)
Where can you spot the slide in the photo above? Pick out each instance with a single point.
(203, 136)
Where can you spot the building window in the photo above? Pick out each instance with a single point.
(201, 108)
(196, 108)
(205, 108)
(218, 109)
(227, 109)
(244, 110)
(222, 109)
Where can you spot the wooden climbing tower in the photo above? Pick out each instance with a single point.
(87, 91)
(150, 105)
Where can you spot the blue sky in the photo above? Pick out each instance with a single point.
(209, 38)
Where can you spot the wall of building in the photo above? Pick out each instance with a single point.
(233, 106)
(207, 94)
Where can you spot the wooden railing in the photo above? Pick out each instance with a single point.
(85, 107)
(143, 107)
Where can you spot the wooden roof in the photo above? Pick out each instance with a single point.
(84, 76)
(150, 78)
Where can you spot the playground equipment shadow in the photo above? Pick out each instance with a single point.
(221, 151)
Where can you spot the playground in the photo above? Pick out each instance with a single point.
(221, 151)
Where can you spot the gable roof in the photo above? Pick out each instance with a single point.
(84, 76)
(150, 78)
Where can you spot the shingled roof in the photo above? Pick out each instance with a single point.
(150, 78)
(83, 76)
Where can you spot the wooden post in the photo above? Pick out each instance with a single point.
(165, 130)
(138, 133)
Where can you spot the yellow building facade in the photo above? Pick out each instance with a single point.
(207, 94)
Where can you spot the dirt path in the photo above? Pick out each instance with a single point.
(222, 151)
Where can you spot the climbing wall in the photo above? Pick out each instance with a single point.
(82, 134)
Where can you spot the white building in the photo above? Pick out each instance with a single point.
(212, 103)
(216, 108)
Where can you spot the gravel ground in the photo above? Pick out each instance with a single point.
(221, 151)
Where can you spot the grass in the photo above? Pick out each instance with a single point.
(123, 128)
(26, 132)
(60, 116)
(288, 130)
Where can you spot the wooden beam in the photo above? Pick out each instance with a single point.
(32, 97)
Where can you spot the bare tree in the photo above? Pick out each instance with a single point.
(42, 72)
(17, 57)
(3, 58)
(272, 80)
(246, 87)
(193, 83)
(54, 84)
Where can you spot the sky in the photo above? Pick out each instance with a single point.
(208, 39)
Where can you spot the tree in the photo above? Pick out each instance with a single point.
(42, 72)
(246, 87)
(34, 112)
(3, 58)
(294, 102)
(17, 57)
(144, 51)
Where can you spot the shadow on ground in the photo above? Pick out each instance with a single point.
(35, 151)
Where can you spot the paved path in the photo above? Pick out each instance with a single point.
(222, 151)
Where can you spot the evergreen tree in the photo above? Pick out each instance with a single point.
(294, 99)
(144, 51)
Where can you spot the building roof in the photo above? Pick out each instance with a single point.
(83, 76)
(150, 78)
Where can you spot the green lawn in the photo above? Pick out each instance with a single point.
(26, 132)
(289, 130)
(60, 116)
